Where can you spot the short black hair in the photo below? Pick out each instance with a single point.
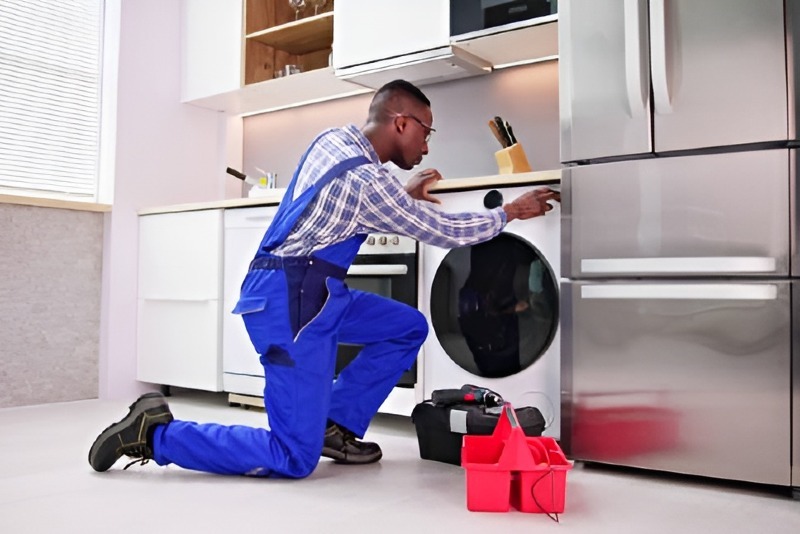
(406, 87)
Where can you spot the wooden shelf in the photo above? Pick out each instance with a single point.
(302, 36)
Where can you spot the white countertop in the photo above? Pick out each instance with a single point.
(272, 197)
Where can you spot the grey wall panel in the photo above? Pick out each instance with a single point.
(50, 280)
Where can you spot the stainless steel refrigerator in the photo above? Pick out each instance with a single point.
(679, 245)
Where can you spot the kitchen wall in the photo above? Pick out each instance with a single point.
(462, 146)
(166, 153)
(50, 273)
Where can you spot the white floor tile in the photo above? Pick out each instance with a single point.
(46, 485)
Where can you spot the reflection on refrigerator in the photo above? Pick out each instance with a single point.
(678, 255)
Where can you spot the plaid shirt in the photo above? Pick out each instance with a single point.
(370, 199)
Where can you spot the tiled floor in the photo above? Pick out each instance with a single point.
(46, 485)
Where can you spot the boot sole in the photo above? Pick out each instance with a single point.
(146, 402)
(342, 458)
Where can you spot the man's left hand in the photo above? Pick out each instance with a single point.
(418, 185)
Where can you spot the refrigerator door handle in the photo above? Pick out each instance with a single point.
(658, 54)
(666, 291)
(633, 58)
(716, 264)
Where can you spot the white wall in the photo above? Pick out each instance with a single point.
(463, 146)
(166, 153)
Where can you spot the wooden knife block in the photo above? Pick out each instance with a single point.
(512, 160)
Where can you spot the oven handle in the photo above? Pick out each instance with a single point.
(377, 270)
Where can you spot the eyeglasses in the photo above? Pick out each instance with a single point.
(428, 130)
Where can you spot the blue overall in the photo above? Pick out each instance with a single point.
(296, 310)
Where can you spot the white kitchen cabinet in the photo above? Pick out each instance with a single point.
(244, 229)
(211, 48)
(179, 299)
(376, 42)
(366, 31)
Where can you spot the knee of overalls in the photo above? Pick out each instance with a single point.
(416, 326)
(302, 464)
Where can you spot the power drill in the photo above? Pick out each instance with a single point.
(468, 394)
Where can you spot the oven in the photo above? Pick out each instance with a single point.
(385, 265)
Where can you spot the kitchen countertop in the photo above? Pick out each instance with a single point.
(273, 196)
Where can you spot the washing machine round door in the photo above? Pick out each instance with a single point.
(494, 306)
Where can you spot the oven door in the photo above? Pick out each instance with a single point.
(390, 275)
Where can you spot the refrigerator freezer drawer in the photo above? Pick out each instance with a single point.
(687, 377)
(705, 215)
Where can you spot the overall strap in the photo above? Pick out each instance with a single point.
(291, 209)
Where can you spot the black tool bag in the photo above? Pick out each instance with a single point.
(440, 429)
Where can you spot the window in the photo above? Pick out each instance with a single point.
(50, 97)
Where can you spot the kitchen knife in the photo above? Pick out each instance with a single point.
(497, 134)
(501, 127)
(510, 133)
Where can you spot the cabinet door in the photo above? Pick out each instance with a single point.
(211, 47)
(180, 255)
(366, 31)
(178, 341)
(718, 71)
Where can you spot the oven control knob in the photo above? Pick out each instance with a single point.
(382, 240)
(370, 240)
(395, 240)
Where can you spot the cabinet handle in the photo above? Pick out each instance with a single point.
(667, 291)
(633, 58)
(658, 53)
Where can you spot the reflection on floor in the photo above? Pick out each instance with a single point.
(46, 485)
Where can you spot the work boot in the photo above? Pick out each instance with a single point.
(129, 436)
(342, 446)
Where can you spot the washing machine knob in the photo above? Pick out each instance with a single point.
(493, 199)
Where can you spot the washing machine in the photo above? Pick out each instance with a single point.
(493, 308)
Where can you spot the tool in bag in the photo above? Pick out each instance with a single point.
(468, 394)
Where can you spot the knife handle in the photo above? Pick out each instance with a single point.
(510, 133)
(501, 127)
(497, 134)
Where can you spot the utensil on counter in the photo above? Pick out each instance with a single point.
(502, 132)
(501, 127)
(510, 133)
(497, 134)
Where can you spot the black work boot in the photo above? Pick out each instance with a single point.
(342, 446)
(129, 436)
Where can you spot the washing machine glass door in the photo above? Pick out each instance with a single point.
(494, 306)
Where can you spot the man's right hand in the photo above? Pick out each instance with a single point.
(531, 204)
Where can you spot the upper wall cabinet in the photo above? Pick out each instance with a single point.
(429, 41)
(280, 56)
(211, 48)
(376, 42)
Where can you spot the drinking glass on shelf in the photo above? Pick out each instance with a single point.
(297, 5)
(317, 4)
